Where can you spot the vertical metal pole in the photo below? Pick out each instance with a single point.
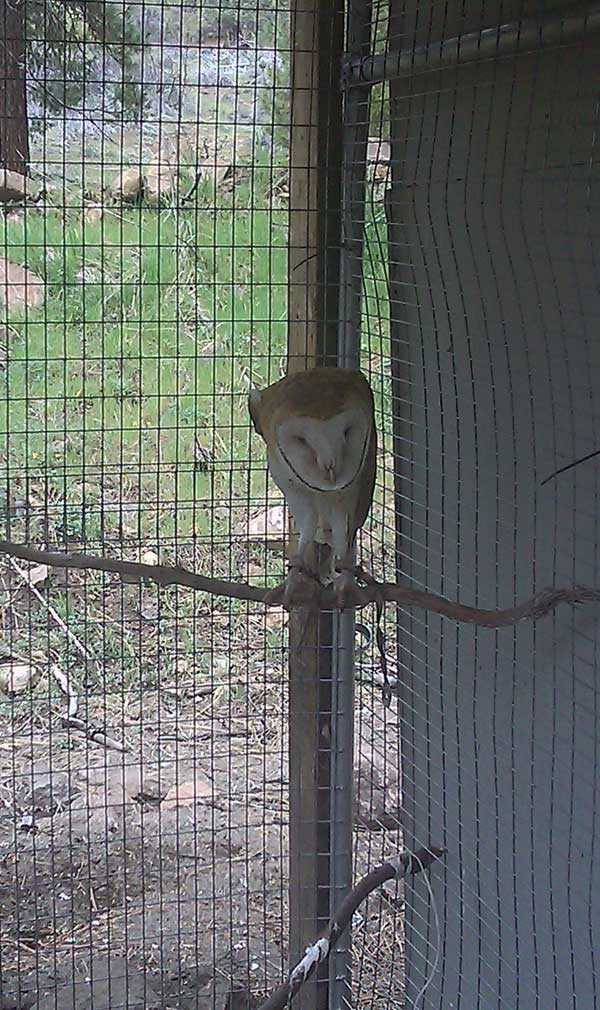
(400, 279)
(314, 264)
(342, 796)
(402, 17)
(355, 139)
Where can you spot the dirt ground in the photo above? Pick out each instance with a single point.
(156, 877)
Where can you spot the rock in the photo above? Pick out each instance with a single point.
(128, 185)
(276, 617)
(51, 791)
(19, 287)
(378, 150)
(185, 794)
(265, 526)
(378, 789)
(93, 213)
(5, 337)
(16, 675)
(378, 158)
(15, 188)
(150, 609)
(161, 179)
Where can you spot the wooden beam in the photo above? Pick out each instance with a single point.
(315, 183)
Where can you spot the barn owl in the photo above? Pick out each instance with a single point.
(319, 427)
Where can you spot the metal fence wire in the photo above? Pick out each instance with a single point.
(152, 847)
(490, 255)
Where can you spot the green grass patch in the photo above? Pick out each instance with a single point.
(123, 398)
(118, 391)
(136, 367)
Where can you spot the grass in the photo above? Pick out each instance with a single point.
(154, 324)
(136, 367)
(132, 376)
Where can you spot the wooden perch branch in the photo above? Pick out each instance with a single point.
(132, 571)
(394, 869)
(316, 597)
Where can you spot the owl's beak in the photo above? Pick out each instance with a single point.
(327, 465)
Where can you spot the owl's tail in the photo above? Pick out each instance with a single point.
(326, 559)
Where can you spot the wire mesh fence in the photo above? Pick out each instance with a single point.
(144, 761)
(490, 254)
(144, 285)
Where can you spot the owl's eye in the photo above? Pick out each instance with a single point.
(300, 440)
(347, 430)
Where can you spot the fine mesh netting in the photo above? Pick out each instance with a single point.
(486, 229)
(195, 197)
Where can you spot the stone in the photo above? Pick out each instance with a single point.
(378, 158)
(93, 213)
(19, 287)
(265, 526)
(15, 187)
(378, 150)
(98, 982)
(161, 179)
(128, 185)
(16, 675)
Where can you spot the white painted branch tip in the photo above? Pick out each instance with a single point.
(313, 955)
(401, 862)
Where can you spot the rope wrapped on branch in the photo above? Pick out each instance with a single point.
(316, 597)
(399, 866)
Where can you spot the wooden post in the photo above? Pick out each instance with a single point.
(315, 183)
(314, 272)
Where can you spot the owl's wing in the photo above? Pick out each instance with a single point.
(367, 483)
(254, 400)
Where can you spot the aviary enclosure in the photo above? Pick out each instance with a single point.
(197, 199)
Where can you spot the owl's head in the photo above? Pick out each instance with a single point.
(318, 425)
(325, 453)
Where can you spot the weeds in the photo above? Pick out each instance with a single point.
(153, 326)
(123, 421)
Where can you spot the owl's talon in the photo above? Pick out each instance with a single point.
(359, 574)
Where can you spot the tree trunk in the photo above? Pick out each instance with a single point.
(14, 134)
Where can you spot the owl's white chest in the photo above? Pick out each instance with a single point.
(323, 516)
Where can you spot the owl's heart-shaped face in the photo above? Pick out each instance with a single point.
(325, 454)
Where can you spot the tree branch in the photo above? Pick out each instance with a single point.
(94, 15)
(394, 869)
(315, 597)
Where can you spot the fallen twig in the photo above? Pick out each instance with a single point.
(48, 606)
(97, 735)
(395, 869)
(65, 685)
(315, 598)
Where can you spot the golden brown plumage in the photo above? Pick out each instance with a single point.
(317, 392)
(319, 427)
